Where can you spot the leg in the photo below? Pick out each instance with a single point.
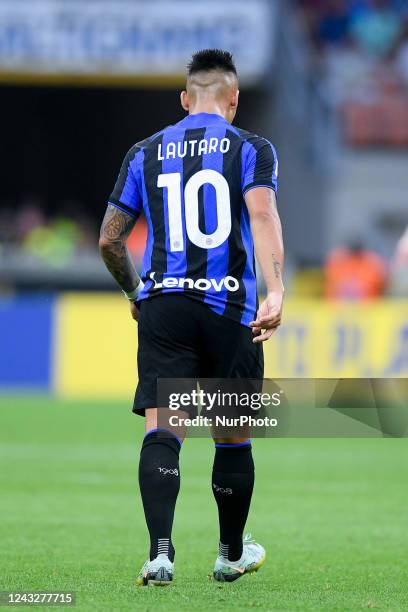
(159, 480)
(232, 485)
(167, 340)
(233, 475)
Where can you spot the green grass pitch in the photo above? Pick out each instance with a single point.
(332, 515)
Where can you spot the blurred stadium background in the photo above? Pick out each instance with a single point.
(326, 81)
(80, 82)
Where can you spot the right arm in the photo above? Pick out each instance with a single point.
(115, 230)
(125, 205)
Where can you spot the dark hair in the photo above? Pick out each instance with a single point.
(211, 59)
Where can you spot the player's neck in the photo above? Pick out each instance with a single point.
(212, 109)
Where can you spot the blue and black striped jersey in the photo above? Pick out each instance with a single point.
(190, 180)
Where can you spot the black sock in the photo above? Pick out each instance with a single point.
(232, 484)
(159, 480)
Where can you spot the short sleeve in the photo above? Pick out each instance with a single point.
(126, 193)
(260, 165)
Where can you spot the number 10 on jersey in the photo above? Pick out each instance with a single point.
(172, 182)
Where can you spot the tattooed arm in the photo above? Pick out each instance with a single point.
(115, 230)
(267, 234)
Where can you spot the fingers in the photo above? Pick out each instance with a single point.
(269, 329)
(270, 318)
(264, 336)
(269, 322)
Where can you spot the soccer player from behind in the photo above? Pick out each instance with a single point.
(207, 190)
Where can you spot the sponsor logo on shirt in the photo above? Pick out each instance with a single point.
(204, 284)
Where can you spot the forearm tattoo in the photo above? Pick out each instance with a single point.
(116, 227)
(276, 267)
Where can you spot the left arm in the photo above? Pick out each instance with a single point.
(268, 242)
(115, 230)
(260, 184)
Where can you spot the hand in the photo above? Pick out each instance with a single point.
(134, 311)
(268, 317)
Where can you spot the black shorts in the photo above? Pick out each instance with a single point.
(183, 338)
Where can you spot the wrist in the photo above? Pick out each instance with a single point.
(132, 296)
(279, 289)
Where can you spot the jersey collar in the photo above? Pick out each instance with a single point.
(202, 120)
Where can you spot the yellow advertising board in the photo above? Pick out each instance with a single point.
(96, 343)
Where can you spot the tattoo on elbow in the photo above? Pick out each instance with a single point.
(116, 225)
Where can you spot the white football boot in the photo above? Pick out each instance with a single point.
(158, 572)
(252, 558)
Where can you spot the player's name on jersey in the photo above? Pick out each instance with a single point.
(171, 150)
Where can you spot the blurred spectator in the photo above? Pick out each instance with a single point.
(29, 216)
(377, 28)
(364, 66)
(26, 229)
(354, 273)
(334, 25)
(54, 243)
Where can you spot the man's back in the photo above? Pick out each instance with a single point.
(190, 179)
(196, 302)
